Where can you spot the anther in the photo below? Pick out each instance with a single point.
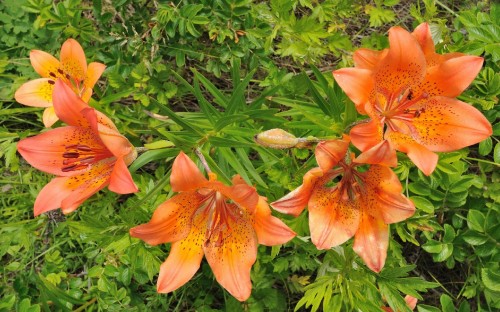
(51, 82)
(71, 155)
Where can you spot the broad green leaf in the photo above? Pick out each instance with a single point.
(475, 220)
(485, 146)
(423, 204)
(491, 278)
(150, 156)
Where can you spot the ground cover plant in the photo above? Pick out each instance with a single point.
(249, 156)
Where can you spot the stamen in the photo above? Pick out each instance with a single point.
(71, 155)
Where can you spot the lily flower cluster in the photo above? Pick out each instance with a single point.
(407, 91)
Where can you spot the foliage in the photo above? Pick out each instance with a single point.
(211, 75)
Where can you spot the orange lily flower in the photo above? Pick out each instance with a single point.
(207, 217)
(361, 204)
(72, 69)
(410, 89)
(87, 155)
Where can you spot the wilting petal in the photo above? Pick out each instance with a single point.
(94, 72)
(371, 241)
(367, 135)
(68, 105)
(171, 221)
(357, 84)
(49, 117)
(232, 254)
(294, 202)
(37, 93)
(381, 154)
(45, 64)
(329, 153)
(448, 124)
(68, 193)
(368, 59)
(184, 258)
(73, 59)
(421, 156)
(270, 230)
(332, 219)
(185, 175)
(121, 181)
(45, 151)
(403, 66)
(383, 192)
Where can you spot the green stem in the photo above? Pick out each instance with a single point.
(483, 161)
(444, 6)
(83, 307)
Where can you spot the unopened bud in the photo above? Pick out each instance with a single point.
(276, 138)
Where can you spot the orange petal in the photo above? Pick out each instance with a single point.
(121, 181)
(421, 156)
(411, 301)
(452, 77)
(332, 219)
(45, 64)
(270, 230)
(171, 221)
(45, 151)
(37, 93)
(368, 59)
(380, 154)
(94, 72)
(383, 189)
(49, 117)
(294, 202)
(448, 124)
(112, 139)
(367, 135)
(68, 105)
(185, 175)
(424, 37)
(371, 241)
(243, 194)
(184, 259)
(329, 153)
(68, 193)
(357, 84)
(232, 254)
(403, 66)
(73, 59)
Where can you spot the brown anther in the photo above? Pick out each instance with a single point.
(410, 95)
(68, 168)
(60, 71)
(83, 148)
(52, 82)
(51, 74)
(71, 155)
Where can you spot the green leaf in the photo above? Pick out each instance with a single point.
(491, 279)
(237, 100)
(423, 204)
(227, 120)
(474, 238)
(496, 153)
(485, 146)
(153, 155)
(475, 220)
(219, 97)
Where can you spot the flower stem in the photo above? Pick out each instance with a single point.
(483, 161)
(202, 159)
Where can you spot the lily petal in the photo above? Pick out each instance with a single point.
(171, 221)
(294, 202)
(368, 59)
(452, 77)
(231, 256)
(243, 194)
(68, 193)
(332, 219)
(73, 59)
(357, 84)
(49, 117)
(185, 175)
(94, 72)
(421, 156)
(270, 230)
(424, 37)
(383, 192)
(45, 151)
(367, 135)
(68, 105)
(37, 93)
(380, 154)
(403, 66)
(371, 242)
(329, 153)
(121, 181)
(448, 124)
(183, 260)
(45, 64)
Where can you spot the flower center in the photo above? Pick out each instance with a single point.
(396, 110)
(79, 156)
(220, 211)
(76, 85)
